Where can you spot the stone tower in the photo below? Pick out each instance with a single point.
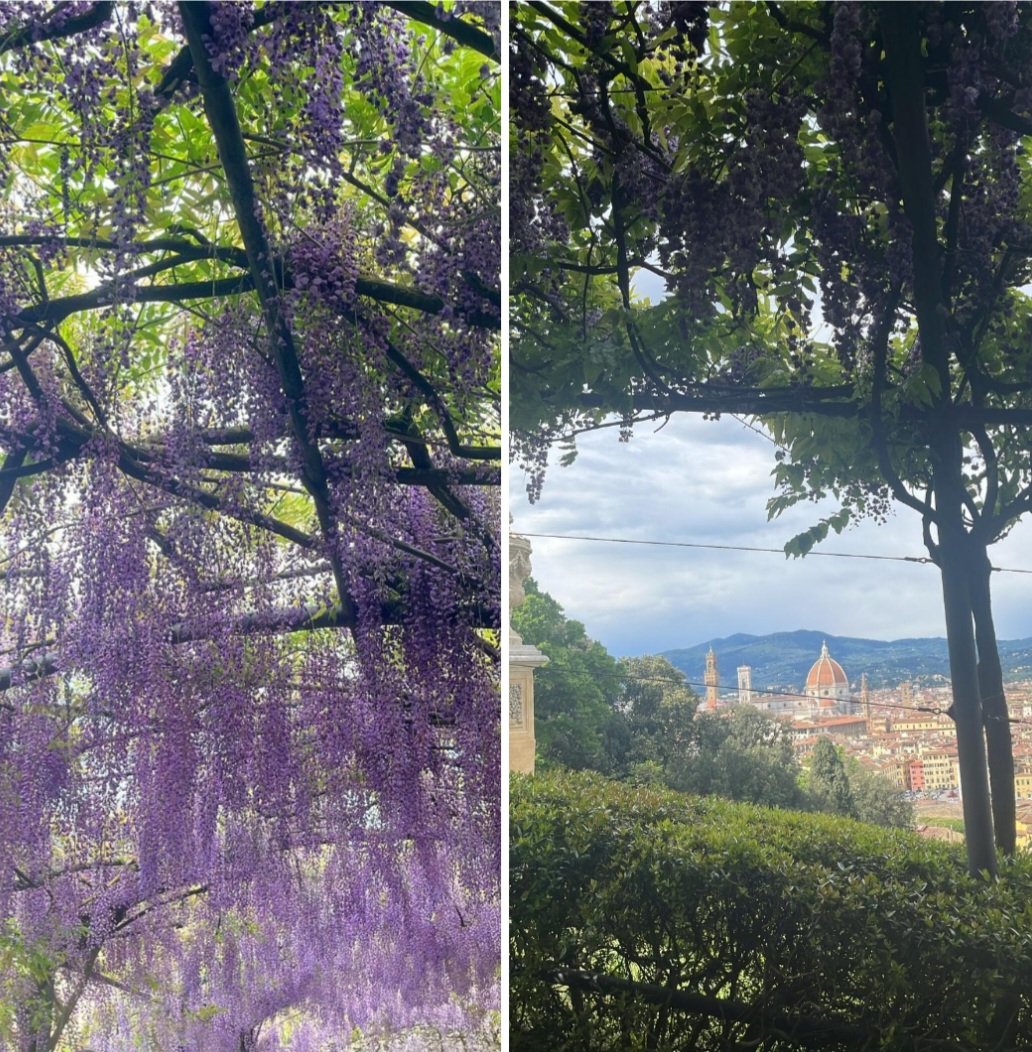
(745, 685)
(712, 679)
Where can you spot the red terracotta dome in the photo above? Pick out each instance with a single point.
(827, 678)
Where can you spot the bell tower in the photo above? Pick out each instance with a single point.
(744, 685)
(712, 680)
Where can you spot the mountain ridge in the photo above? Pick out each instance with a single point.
(781, 660)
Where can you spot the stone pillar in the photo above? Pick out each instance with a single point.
(523, 659)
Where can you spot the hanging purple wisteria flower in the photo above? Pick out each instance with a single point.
(249, 527)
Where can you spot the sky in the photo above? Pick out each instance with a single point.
(708, 482)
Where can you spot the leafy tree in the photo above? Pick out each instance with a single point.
(626, 718)
(876, 799)
(836, 196)
(576, 692)
(838, 783)
(249, 393)
(657, 710)
(742, 754)
(827, 781)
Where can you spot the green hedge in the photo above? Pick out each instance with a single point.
(646, 919)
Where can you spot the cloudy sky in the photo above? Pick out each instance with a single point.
(708, 483)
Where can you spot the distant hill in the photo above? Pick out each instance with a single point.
(782, 660)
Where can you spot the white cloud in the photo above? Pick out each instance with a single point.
(708, 482)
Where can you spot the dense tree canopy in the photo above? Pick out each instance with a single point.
(249, 413)
(656, 711)
(836, 198)
(743, 754)
(875, 798)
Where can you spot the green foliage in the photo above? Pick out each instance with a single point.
(656, 714)
(789, 918)
(629, 718)
(576, 692)
(27, 970)
(692, 133)
(876, 799)
(827, 781)
(840, 784)
(741, 754)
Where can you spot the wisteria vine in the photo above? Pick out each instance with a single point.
(249, 545)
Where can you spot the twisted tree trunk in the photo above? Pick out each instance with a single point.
(967, 707)
(995, 717)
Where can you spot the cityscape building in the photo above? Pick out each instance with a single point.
(904, 733)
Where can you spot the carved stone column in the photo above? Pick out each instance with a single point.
(523, 659)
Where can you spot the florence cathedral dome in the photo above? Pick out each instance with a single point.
(827, 682)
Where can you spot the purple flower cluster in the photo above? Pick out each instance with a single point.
(231, 24)
(534, 221)
(249, 741)
(323, 266)
(385, 70)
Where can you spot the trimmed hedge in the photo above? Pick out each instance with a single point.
(647, 919)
